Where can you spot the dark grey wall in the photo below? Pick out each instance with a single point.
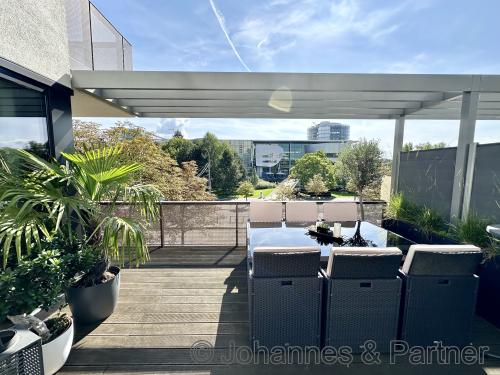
(485, 198)
(426, 177)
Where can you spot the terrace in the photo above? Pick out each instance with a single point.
(194, 289)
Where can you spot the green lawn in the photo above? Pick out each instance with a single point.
(256, 193)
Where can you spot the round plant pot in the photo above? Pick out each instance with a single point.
(95, 303)
(56, 352)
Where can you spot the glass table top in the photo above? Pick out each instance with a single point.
(294, 234)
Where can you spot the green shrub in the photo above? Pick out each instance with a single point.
(36, 281)
(472, 230)
(400, 208)
(262, 184)
(429, 221)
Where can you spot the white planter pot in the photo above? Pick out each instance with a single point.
(56, 352)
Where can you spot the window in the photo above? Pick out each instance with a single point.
(23, 121)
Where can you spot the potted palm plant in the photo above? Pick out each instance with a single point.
(51, 200)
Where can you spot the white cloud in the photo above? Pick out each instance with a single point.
(275, 27)
(168, 126)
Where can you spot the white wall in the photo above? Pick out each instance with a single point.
(33, 35)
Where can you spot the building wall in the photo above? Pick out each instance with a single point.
(33, 35)
(426, 177)
(328, 131)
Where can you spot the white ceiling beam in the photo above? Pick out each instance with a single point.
(272, 81)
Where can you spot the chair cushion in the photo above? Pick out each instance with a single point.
(286, 261)
(266, 212)
(301, 212)
(442, 260)
(363, 262)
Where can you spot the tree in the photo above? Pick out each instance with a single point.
(316, 185)
(361, 165)
(246, 189)
(179, 148)
(284, 191)
(140, 146)
(227, 173)
(311, 164)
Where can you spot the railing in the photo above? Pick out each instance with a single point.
(215, 223)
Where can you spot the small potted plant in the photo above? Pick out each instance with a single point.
(323, 227)
(36, 283)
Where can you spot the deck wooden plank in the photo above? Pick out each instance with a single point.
(178, 308)
(155, 329)
(182, 296)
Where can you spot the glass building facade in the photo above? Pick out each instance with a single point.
(328, 131)
(272, 160)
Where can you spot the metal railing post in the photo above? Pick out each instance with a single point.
(162, 235)
(237, 239)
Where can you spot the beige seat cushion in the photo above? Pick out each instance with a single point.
(340, 211)
(301, 212)
(363, 262)
(266, 212)
(441, 260)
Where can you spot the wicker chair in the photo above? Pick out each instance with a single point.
(285, 290)
(266, 212)
(301, 212)
(340, 211)
(440, 294)
(362, 297)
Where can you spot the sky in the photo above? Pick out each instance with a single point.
(339, 36)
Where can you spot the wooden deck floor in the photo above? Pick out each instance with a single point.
(190, 295)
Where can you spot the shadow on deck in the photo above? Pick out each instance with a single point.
(193, 295)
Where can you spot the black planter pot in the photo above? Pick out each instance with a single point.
(488, 300)
(94, 303)
(413, 233)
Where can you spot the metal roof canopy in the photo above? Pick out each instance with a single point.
(288, 95)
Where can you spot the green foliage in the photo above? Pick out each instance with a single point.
(473, 230)
(36, 281)
(245, 189)
(177, 180)
(316, 185)
(51, 200)
(422, 146)
(253, 178)
(311, 164)
(262, 184)
(179, 148)
(361, 165)
(284, 191)
(430, 221)
(400, 208)
(228, 173)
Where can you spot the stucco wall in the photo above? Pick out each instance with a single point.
(34, 36)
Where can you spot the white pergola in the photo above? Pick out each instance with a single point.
(301, 95)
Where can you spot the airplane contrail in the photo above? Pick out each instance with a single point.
(222, 24)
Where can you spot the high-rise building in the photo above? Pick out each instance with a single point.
(328, 131)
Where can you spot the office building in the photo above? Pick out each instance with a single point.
(328, 131)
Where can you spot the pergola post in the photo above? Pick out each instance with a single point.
(399, 130)
(468, 116)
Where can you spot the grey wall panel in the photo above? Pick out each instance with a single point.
(33, 35)
(426, 177)
(485, 197)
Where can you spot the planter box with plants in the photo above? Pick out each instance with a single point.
(58, 238)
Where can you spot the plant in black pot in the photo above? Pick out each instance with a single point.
(36, 283)
(66, 201)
